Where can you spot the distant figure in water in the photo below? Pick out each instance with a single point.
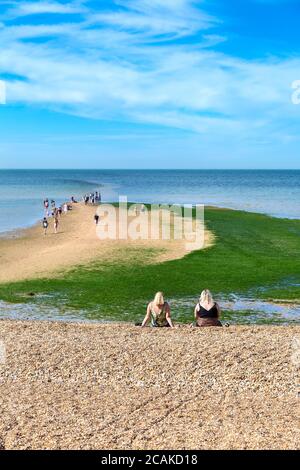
(45, 225)
(207, 311)
(96, 219)
(56, 224)
(158, 312)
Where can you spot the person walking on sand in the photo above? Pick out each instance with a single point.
(207, 311)
(96, 219)
(158, 312)
(56, 224)
(45, 225)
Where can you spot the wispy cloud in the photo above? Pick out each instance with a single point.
(157, 18)
(26, 8)
(149, 61)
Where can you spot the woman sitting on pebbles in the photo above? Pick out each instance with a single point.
(158, 312)
(207, 312)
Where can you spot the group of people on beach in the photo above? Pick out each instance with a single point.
(207, 312)
(50, 209)
(92, 198)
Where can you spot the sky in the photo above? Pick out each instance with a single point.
(150, 84)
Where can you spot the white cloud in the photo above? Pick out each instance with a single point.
(25, 8)
(176, 18)
(2, 92)
(123, 65)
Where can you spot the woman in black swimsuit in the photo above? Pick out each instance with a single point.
(207, 312)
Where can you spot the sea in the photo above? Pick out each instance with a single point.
(272, 192)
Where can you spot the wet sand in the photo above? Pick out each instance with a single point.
(81, 386)
(30, 254)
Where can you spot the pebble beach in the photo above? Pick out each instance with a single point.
(116, 386)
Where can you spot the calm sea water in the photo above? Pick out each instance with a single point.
(272, 192)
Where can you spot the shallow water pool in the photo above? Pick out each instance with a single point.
(235, 310)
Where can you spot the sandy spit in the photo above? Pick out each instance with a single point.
(32, 255)
(83, 386)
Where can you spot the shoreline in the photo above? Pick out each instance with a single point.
(18, 231)
(64, 387)
(127, 324)
(35, 311)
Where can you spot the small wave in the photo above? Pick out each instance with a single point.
(83, 182)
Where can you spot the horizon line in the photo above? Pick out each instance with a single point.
(150, 169)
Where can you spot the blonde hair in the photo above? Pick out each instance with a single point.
(206, 297)
(159, 299)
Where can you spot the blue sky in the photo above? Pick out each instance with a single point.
(149, 84)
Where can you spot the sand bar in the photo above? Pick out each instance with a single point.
(31, 255)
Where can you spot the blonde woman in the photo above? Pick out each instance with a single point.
(207, 311)
(158, 312)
